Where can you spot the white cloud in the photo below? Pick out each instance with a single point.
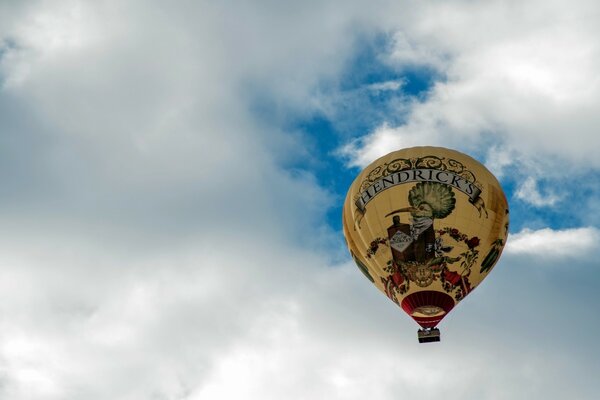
(147, 224)
(414, 53)
(363, 151)
(386, 86)
(498, 159)
(547, 243)
(151, 246)
(532, 83)
(528, 192)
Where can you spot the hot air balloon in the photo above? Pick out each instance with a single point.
(425, 225)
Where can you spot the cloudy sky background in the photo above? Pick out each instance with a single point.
(172, 180)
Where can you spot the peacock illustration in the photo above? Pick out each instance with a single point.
(415, 242)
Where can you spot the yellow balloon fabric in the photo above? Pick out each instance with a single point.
(426, 225)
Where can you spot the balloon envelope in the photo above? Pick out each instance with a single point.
(425, 225)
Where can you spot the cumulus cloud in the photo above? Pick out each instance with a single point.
(576, 242)
(363, 151)
(410, 52)
(153, 247)
(528, 192)
(533, 86)
(146, 219)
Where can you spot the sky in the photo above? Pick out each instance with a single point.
(173, 175)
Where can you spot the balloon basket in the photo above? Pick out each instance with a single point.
(428, 335)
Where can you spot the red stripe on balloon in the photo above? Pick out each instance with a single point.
(427, 298)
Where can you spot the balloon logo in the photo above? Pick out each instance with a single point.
(426, 225)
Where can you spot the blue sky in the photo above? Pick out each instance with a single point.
(358, 106)
(173, 176)
(362, 109)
